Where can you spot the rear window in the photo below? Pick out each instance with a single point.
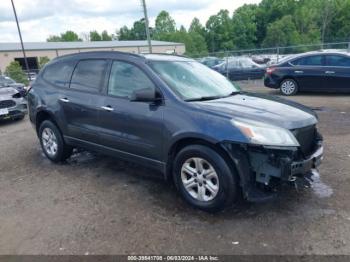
(309, 61)
(337, 60)
(89, 75)
(59, 73)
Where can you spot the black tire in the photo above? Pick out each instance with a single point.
(293, 87)
(228, 191)
(64, 151)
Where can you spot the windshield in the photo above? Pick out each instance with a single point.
(193, 81)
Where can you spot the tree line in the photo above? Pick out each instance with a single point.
(271, 23)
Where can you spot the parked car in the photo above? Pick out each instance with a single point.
(210, 61)
(314, 71)
(32, 76)
(12, 104)
(240, 68)
(6, 81)
(178, 116)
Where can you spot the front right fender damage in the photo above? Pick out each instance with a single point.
(262, 169)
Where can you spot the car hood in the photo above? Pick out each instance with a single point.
(7, 93)
(268, 109)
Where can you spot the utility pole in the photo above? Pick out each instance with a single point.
(20, 37)
(146, 25)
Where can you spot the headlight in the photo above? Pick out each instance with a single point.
(265, 134)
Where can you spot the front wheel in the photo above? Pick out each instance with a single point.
(52, 142)
(288, 87)
(204, 179)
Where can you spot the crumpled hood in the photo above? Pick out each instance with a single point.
(268, 109)
(7, 93)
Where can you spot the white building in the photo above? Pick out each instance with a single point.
(34, 50)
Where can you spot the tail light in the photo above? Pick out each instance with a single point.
(270, 70)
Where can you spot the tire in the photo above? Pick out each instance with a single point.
(289, 87)
(223, 182)
(59, 150)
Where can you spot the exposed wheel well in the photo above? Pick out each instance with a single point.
(41, 117)
(179, 145)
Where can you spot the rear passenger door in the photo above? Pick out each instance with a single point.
(134, 128)
(81, 102)
(309, 72)
(337, 73)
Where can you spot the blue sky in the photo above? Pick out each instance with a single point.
(41, 18)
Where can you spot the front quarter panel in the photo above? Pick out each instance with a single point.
(187, 121)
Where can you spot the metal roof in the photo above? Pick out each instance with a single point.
(81, 45)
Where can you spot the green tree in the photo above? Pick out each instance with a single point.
(43, 60)
(270, 11)
(282, 32)
(139, 30)
(54, 38)
(105, 36)
(196, 27)
(165, 24)
(244, 28)
(95, 36)
(15, 71)
(68, 36)
(339, 29)
(125, 33)
(219, 32)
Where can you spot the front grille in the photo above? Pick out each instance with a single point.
(7, 104)
(306, 137)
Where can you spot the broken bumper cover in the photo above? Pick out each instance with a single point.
(304, 166)
(260, 167)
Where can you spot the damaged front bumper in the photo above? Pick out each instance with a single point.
(262, 168)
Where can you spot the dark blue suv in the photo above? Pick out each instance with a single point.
(178, 116)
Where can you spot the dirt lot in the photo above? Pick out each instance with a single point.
(98, 205)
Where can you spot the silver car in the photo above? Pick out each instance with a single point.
(12, 104)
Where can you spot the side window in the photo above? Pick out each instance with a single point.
(337, 60)
(309, 61)
(59, 73)
(125, 78)
(89, 75)
(233, 64)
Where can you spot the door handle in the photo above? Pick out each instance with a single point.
(330, 72)
(65, 100)
(299, 72)
(107, 108)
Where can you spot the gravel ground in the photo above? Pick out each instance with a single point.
(98, 205)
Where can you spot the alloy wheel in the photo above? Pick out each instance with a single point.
(200, 179)
(288, 87)
(49, 142)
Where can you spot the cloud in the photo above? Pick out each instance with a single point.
(41, 18)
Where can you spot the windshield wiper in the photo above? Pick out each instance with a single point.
(233, 93)
(203, 98)
(207, 98)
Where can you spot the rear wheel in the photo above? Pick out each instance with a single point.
(288, 87)
(204, 179)
(52, 142)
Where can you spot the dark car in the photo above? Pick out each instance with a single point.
(6, 81)
(177, 116)
(240, 68)
(316, 71)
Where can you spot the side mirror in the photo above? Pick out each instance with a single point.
(144, 95)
